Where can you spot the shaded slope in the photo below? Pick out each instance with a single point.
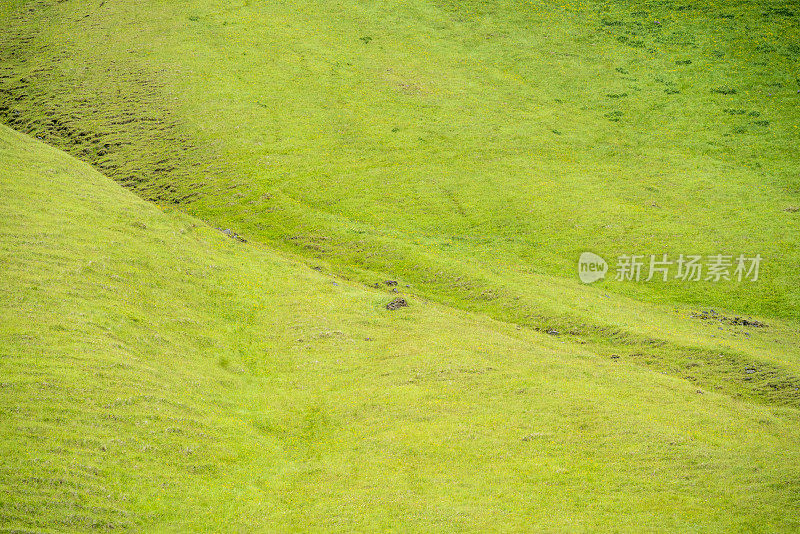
(156, 374)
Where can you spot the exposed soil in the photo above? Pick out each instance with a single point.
(711, 315)
(397, 303)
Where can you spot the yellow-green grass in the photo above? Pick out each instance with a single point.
(465, 149)
(156, 375)
(458, 146)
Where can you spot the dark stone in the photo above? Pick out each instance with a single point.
(397, 303)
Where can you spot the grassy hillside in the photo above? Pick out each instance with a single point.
(156, 374)
(468, 148)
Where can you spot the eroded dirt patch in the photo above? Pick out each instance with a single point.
(711, 315)
(397, 303)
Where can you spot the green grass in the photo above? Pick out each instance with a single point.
(158, 375)
(418, 138)
(414, 141)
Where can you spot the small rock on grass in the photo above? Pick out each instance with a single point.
(397, 303)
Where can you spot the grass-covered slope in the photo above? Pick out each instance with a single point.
(157, 375)
(472, 149)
